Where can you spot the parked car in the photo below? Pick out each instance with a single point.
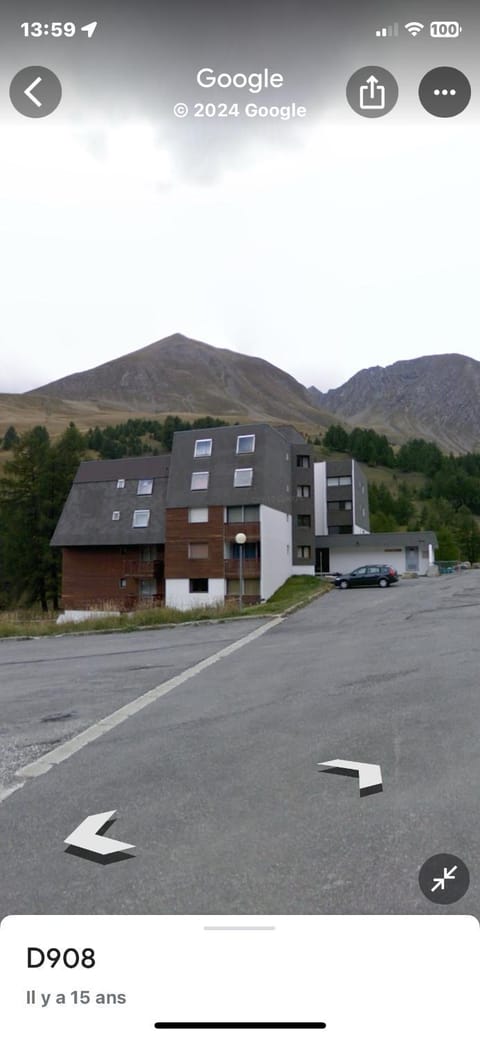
(367, 575)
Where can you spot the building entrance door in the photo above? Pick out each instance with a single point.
(322, 560)
(411, 557)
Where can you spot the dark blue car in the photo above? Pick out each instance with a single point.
(380, 575)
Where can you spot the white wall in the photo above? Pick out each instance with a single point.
(178, 596)
(346, 559)
(309, 571)
(275, 551)
(320, 492)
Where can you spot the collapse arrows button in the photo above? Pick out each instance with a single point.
(369, 776)
(86, 837)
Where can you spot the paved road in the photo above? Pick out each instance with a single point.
(216, 783)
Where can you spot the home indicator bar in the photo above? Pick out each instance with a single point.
(241, 1024)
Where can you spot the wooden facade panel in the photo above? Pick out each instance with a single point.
(180, 534)
(91, 578)
(251, 530)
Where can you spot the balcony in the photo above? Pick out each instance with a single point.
(251, 568)
(252, 530)
(143, 568)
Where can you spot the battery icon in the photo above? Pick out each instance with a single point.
(445, 30)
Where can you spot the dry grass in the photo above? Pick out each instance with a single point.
(297, 591)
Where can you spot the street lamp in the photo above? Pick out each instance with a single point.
(241, 539)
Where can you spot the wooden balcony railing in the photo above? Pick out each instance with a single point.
(250, 568)
(142, 568)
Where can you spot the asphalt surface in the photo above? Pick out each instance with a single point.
(217, 782)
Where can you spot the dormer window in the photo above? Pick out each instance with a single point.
(141, 518)
(243, 478)
(203, 449)
(199, 482)
(145, 487)
(246, 444)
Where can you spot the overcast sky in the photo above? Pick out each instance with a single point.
(324, 245)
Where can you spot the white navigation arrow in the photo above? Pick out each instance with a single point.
(369, 776)
(87, 837)
(29, 93)
(90, 28)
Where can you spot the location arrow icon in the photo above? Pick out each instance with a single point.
(86, 837)
(369, 776)
(89, 29)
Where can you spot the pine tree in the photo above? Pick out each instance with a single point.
(10, 439)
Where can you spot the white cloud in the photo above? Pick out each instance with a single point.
(355, 247)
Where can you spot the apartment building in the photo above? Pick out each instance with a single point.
(163, 529)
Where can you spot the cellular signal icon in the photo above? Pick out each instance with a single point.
(388, 30)
(414, 28)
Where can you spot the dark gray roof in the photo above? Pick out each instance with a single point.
(143, 468)
(416, 537)
(87, 515)
(291, 435)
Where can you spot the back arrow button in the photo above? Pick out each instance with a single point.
(35, 91)
(29, 92)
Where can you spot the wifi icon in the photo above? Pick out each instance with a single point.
(414, 28)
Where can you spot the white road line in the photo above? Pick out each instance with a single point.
(5, 791)
(54, 757)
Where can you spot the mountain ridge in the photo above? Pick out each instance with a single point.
(435, 397)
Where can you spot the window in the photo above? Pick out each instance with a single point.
(141, 518)
(115, 515)
(198, 515)
(340, 505)
(245, 444)
(148, 587)
(303, 490)
(203, 449)
(250, 550)
(198, 550)
(303, 461)
(304, 552)
(199, 482)
(123, 582)
(345, 481)
(243, 514)
(145, 487)
(148, 553)
(243, 478)
(304, 520)
(120, 485)
(251, 513)
(251, 586)
(198, 584)
(332, 481)
(340, 530)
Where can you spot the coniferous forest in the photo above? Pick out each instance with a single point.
(38, 472)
